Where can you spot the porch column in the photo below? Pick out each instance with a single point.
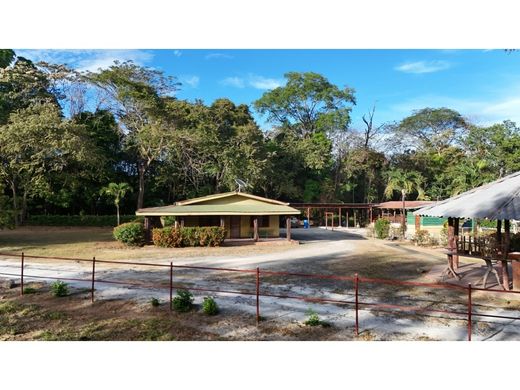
(176, 224)
(456, 241)
(505, 251)
(339, 217)
(222, 222)
(355, 224)
(309, 216)
(347, 218)
(255, 229)
(147, 230)
(288, 228)
(182, 222)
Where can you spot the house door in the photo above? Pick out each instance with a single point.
(235, 227)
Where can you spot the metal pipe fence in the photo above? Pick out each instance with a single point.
(358, 305)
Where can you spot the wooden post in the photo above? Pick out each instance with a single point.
(456, 242)
(355, 224)
(176, 224)
(505, 250)
(326, 220)
(21, 273)
(182, 222)
(257, 295)
(309, 216)
(347, 218)
(222, 222)
(93, 279)
(255, 229)
(339, 217)
(171, 285)
(499, 232)
(470, 309)
(356, 286)
(451, 239)
(288, 228)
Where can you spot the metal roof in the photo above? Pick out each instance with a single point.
(205, 206)
(408, 204)
(496, 200)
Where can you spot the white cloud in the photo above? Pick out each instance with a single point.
(191, 80)
(215, 56)
(90, 60)
(260, 82)
(177, 53)
(236, 82)
(419, 67)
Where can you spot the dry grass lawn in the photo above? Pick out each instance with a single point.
(86, 242)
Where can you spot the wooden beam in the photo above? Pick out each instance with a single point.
(505, 250)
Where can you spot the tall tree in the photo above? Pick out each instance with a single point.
(137, 98)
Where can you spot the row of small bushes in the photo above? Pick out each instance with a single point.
(170, 237)
(77, 220)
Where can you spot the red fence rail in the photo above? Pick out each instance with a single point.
(356, 279)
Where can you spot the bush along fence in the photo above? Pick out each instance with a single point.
(357, 282)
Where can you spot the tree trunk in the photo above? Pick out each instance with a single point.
(15, 204)
(118, 221)
(140, 197)
(23, 214)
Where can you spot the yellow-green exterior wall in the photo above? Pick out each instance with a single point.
(246, 230)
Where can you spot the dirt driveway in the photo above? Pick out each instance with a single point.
(321, 251)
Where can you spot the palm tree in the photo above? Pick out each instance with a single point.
(118, 192)
(406, 182)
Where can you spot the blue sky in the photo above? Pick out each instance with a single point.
(483, 85)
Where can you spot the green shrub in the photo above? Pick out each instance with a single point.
(169, 237)
(382, 228)
(60, 288)
(29, 290)
(209, 306)
(183, 302)
(422, 237)
(154, 302)
(313, 319)
(77, 220)
(131, 233)
(168, 221)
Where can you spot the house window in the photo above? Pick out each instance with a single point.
(263, 221)
(209, 220)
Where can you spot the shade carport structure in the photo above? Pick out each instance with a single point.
(498, 200)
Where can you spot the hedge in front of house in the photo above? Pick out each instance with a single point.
(77, 220)
(131, 233)
(169, 237)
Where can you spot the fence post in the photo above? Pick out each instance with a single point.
(21, 273)
(469, 311)
(257, 295)
(356, 284)
(93, 279)
(171, 285)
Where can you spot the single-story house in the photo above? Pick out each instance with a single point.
(243, 215)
